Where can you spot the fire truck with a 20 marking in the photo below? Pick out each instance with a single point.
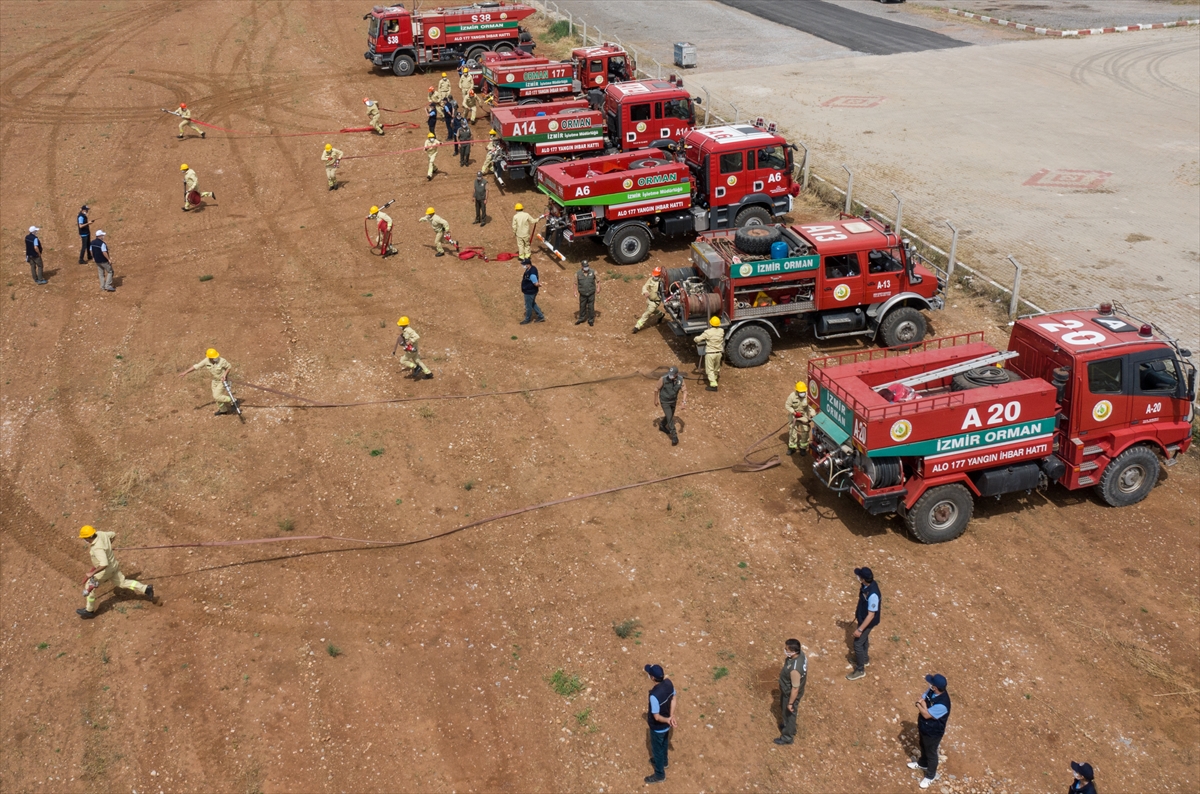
(1085, 398)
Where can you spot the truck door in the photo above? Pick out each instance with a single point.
(678, 117)
(729, 181)
(885, 271)
(842, 286)
(1105, 405)
(1156, 382)
(771, 167)
(595, 73)
(636, 126)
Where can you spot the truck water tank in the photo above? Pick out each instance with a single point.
(779, 250)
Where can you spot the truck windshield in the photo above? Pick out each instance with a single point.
(772, 157)
(678, 109)
(373, 31)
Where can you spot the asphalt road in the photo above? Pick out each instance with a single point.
(860, 32)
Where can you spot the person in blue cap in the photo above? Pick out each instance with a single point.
(661, 716)
(1084, 779)
(866, 618)
(933, 713)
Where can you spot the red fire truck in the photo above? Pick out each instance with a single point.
(531, 136)
(401, 40)
(530, 80)
(727, 176)
(852, 277)
(1085, 398)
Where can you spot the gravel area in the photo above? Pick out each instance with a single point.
(1074, 15)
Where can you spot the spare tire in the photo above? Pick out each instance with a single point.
(672, 275)
(983, 376)
(648, 162)
(756, 239)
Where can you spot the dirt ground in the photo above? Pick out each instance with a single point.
(1067, 630)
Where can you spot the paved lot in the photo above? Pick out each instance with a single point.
(871, 34)
(1079, 157)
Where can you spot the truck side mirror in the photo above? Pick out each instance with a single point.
(1191, 386)
(366, 17)
(698, 100)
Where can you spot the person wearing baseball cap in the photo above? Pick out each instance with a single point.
(661, 717)
(33, 255)
(933, 713)
(104, 268)
(670, 392)
(1084, 779)
(866, 618)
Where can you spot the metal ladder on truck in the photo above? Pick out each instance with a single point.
(953, 369)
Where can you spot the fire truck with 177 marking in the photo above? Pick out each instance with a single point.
(1085, 398)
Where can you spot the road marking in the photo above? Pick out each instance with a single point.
(853, 102)
(1068, 178)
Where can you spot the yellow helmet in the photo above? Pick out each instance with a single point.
(518, 206)
(714, 321)
(429, 211)
(443, 74)
(402, 322)
(492, 132)
(801, 387)
(212, 353)
(87, 531)
(329, 147)
(373, 211)
(430, 135)
(183, 167)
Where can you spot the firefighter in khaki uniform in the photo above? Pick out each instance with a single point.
(332, 158)
(493, 148)
(383, 234)
(800, 415)
(186, 116)
(522, 226)
(411, 359)
(443, 89)
(373, 115)
(471, 103)
(652, 290)
(440, 227)
(466, 83)
(714, 346)
(431, 150)
(218, 369)
(105, 569)
(190, 181)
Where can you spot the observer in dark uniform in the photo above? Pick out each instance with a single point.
(670, 389)
(586, 287)
(792, 679)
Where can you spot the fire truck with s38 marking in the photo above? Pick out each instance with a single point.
(402, 40)
(1086, 398)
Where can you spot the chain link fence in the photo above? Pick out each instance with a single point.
(854, 187)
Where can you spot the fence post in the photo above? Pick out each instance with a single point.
(707, 105)
(849, 189)
(899, 214)
(804, 169)
(570, 25)
(599, 39)
(584, 21)
(659, 65)
(1016, 290)
(736, 112)
(953, 249)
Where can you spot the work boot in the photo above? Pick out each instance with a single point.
(781, 740)
(179, 137)
(580, 321)
(428, 376)
(440, 253)
(655, 778)
(636, 329)
(710, 388)
(791, 450)
(83, 613)
(213, 196)
(526, 321)
(856, 674)
(540, 319)
(674, 441)
(429, 178)
(591, 322)
(150, 592)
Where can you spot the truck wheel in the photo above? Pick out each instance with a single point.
(403, 66)
(504, 46)
(550, 160)
(1129, 477)
(476, 53)
(941, 514)
(629, 245)
(902, 327)
(748, 346)
(756, 238)
(752, 216)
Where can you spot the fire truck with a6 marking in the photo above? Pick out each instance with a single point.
(1082, 398)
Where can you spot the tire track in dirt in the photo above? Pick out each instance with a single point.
(1117, 66)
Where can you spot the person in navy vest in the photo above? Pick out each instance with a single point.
(1084, 782)
(661, 717)
(103, 263)
(934, 713)
(85, 235)
(866, 618)
(529, 288)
